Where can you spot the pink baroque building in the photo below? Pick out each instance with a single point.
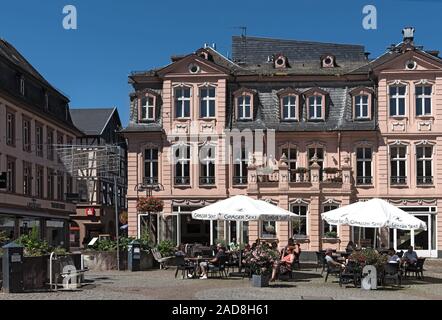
(330, 127)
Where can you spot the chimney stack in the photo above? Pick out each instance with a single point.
(408, 33)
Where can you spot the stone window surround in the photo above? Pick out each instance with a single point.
(191, 95)
(315, 92)
(146, 94)
(207, 85)
(289, 92)
(365, 144)
(362, 91)
(429, 83)
(244, 92)
(399, 83)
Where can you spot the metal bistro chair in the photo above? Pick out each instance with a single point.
(333, 270)
(320, 256)
(392, 271)
(161, 260)
(183, 266)
(218, 267)
(417, 269)
(349, 274)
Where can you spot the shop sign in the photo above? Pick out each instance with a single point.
(90, 212)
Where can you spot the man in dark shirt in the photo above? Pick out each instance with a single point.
(205, 266)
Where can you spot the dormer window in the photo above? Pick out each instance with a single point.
(289, 102)
(328, 61)
(244, 104)
(22, 85)
(280, 62)
(148, 108)
(362, 103)
(316, 99)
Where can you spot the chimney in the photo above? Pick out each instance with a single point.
(214, 46)
(408, 33)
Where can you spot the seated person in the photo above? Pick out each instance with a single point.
(331, 262)
(350, 247)
(297, 251)
(392, 256)
(290, 244)
(284, 265)
(206, 265)
(181, 252)
(410, 256)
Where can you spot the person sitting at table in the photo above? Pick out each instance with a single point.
(330, 261)
(350, 247)
(392, 256)
(297, 251)
(290, 244)
(284, 265)
(206, 265)
(410, 256)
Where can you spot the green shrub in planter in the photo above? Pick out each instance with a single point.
(34, 246)
(331, 234)
(166, 248)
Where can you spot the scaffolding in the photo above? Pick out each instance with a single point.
(93, 163)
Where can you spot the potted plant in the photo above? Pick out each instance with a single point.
(261, 260)
(331, 235)
(150, 204)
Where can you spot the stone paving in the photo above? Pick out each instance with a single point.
(308, 284)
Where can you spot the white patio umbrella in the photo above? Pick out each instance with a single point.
(375, 213)
(242, 208)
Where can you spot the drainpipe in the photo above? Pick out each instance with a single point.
(339, 149)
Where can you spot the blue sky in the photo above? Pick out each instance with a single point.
(91, 64)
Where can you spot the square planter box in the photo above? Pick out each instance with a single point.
(260, 281)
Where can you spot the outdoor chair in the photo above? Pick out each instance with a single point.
(161, 260)
(392, 271)
(417, 269)
(218, 267)
(183, 266)
(320, 256)
(331, 269)
(232, 262)
(351, 273)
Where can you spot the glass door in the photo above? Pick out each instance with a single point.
(423, 241)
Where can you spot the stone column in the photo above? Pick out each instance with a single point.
(283, 175)
(252, 179)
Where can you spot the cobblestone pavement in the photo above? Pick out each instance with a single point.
(308, 284)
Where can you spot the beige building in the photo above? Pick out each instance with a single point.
(329, 127)
(34, 117)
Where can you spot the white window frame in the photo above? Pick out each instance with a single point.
(243, 159)
(397, 98)
(424, 159)
(207, 161)
(422, 97)
(147, 107)
(290, 161)
(307, 220)
(183, 159)
(243, 106)
(205, 102)
(398, 161)
(151, 163)
(181, 99)
(364, 160)
(288, 106)
(323, 224)
(10, 129)
(315, 106)
(26, 135)
(39, 140)
(359, 106)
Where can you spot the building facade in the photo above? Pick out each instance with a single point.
(328, 127)
(95, 215)
(34, 117)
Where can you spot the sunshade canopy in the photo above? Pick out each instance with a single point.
(375, 213)
(242, 208)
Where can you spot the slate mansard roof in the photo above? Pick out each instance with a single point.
(252, 58)
(255, 55)
(92, 122)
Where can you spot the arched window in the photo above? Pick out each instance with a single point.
(289, 102)
(316, 103)
(244, 104)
